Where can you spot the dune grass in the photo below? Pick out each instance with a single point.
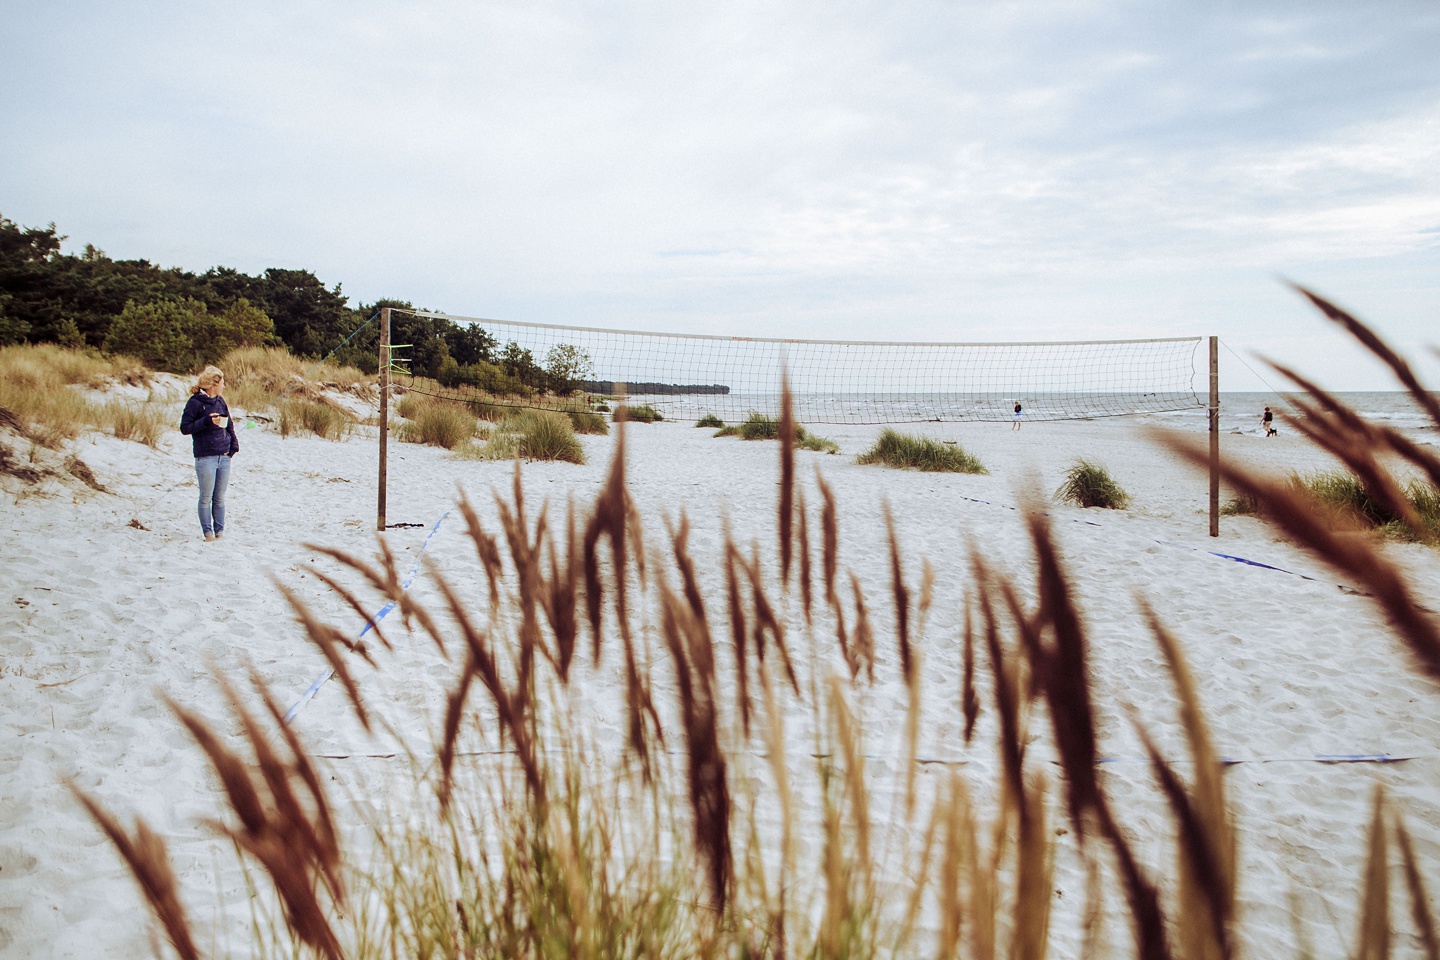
(439, 423)
(759, 426)
(904, 450)
(299, 416)
(529, 435)
(1089, 484)
(710, 420)
(636, 413)
(533, 832)
(142, 422)
(36, 387)
(1352, 501)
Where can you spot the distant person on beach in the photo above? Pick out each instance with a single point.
(1268, 422)
(212, 432)
(1016, 419)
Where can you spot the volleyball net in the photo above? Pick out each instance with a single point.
(686, 376)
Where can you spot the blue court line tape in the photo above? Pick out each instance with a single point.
(1185, 546)
(381, 614)
(1325, 758)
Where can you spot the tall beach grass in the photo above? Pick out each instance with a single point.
(688, 825)
(895, 449)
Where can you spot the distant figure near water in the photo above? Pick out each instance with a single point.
(1016, 418)
(1268, 422)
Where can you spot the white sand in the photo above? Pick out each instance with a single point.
(100, 620)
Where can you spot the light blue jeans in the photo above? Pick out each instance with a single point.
(214, 476)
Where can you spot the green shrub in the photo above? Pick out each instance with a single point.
(177, 334)
(895, 449)
(642, 413)
(300, 416)
(1090, 485)
(709, 420)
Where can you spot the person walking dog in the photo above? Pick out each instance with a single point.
(207, 422)
(1267, 420)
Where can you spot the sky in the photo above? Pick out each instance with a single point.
(948, 171)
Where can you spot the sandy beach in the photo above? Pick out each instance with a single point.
(102, 619)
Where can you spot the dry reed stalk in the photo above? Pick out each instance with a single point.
(1094, 945)
(525, 557)
(957, 850)
(739, 631)
(1419, 896)
(384, 578)
(1034, 875)
(830, 538)
(688, 637)
(614, 518)
(969, 700)
(1350, 556)
(862, 638)
(909, 668)
(1205, 913)
(787, 478)
(454, 716)
(1374, 932)
(1337, 428)
(511, 707)
(847, 732)
(560, 593)
(803, 535)
(608, 520)
(144, 853)
(1061, 673)
(919, 874)
(774, 734)
(764, 620)
(274, 827)
(901, 594)
(1381, 349)
(486, 549)
(353, 602)
(329, 640)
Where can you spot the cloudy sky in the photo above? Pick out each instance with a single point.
(856, 170)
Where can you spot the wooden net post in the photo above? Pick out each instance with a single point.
(1214, 436)
(384, 415)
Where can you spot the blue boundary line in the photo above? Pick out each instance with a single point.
(1325, 758)
(381, 614)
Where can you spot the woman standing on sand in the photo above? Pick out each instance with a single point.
(1017, 416)
(207, 420)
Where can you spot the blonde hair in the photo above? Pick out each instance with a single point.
(208, 376)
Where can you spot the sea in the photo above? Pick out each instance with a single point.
(1239, 412)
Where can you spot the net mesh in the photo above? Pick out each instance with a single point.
(686, 376)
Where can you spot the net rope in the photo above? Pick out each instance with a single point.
(685, 376)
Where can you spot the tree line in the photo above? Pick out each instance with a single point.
(177, 320)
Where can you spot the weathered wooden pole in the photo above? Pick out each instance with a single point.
(384, 415)
(1214, 436)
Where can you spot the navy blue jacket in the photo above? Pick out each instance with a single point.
(208, 439)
